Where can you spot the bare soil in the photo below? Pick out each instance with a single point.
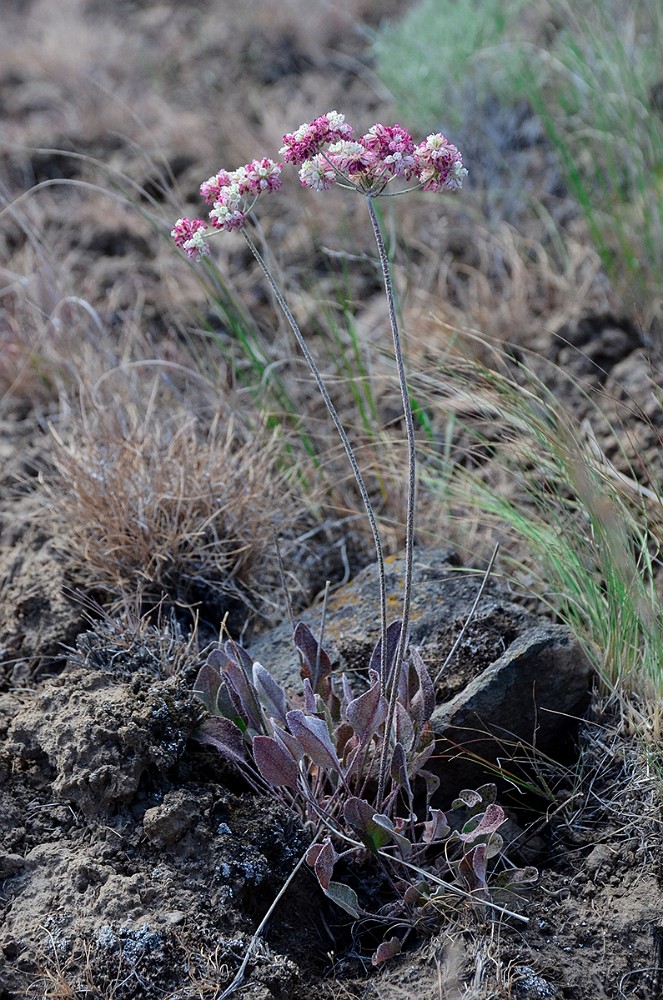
(133, 863)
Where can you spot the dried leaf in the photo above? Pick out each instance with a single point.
(314, 737)
(270, 692)
(386, 950)
(274, 762)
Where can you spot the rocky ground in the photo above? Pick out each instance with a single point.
(133, 862)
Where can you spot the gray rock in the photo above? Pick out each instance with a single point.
(530, 697)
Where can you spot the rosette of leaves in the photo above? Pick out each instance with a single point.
(321, 751)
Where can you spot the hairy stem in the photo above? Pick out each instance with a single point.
(341, 431)
(391, 682)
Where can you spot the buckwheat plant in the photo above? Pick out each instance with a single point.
(348, 763)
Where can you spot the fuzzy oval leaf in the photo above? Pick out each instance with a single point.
(423, 701)
(313, 735)
(398, 768)
(488, 822)
(367, 712)
(393, 635)
(403, 728)
(436, 828)
(345, 897)
(322, 858)
(467, 797)
(238, 654)
(236, 678)
(386, 950)
(472, 868)
(226, 737)
(274, 763)
(289, 743)
(270, 693)
(206, 686)
(514, 877)
(316, 664)
(385, 824)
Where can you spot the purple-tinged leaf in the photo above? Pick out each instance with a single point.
(309, 698)
(348, 694)
(415, 894)
(422, 703)
(436, 828)
(403, 728)
(488, 823)
(398, 769)
(207, 685)
(238, 655)
(367, 712)
(236, 679)
(226, 737)
(386, 950)
(393, 635)
(322, 858)
(217, 659)
(432, 783)
(314, 737)
(345, 897)
(316, 665)
(289, 743)
(416, 762)
(274, 763)
(270, 693)
(472, 868)
(343, 733)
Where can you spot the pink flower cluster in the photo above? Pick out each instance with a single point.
(231, 194)
(326, 152)
(310, 138)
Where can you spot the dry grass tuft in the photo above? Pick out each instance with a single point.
(169, 507)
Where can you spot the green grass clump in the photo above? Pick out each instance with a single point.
(583, 535)
(591, 72)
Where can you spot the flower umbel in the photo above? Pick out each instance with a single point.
(232, 195)
(188, 235)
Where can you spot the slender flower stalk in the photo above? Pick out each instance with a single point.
(391, 683)
(322, 388)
